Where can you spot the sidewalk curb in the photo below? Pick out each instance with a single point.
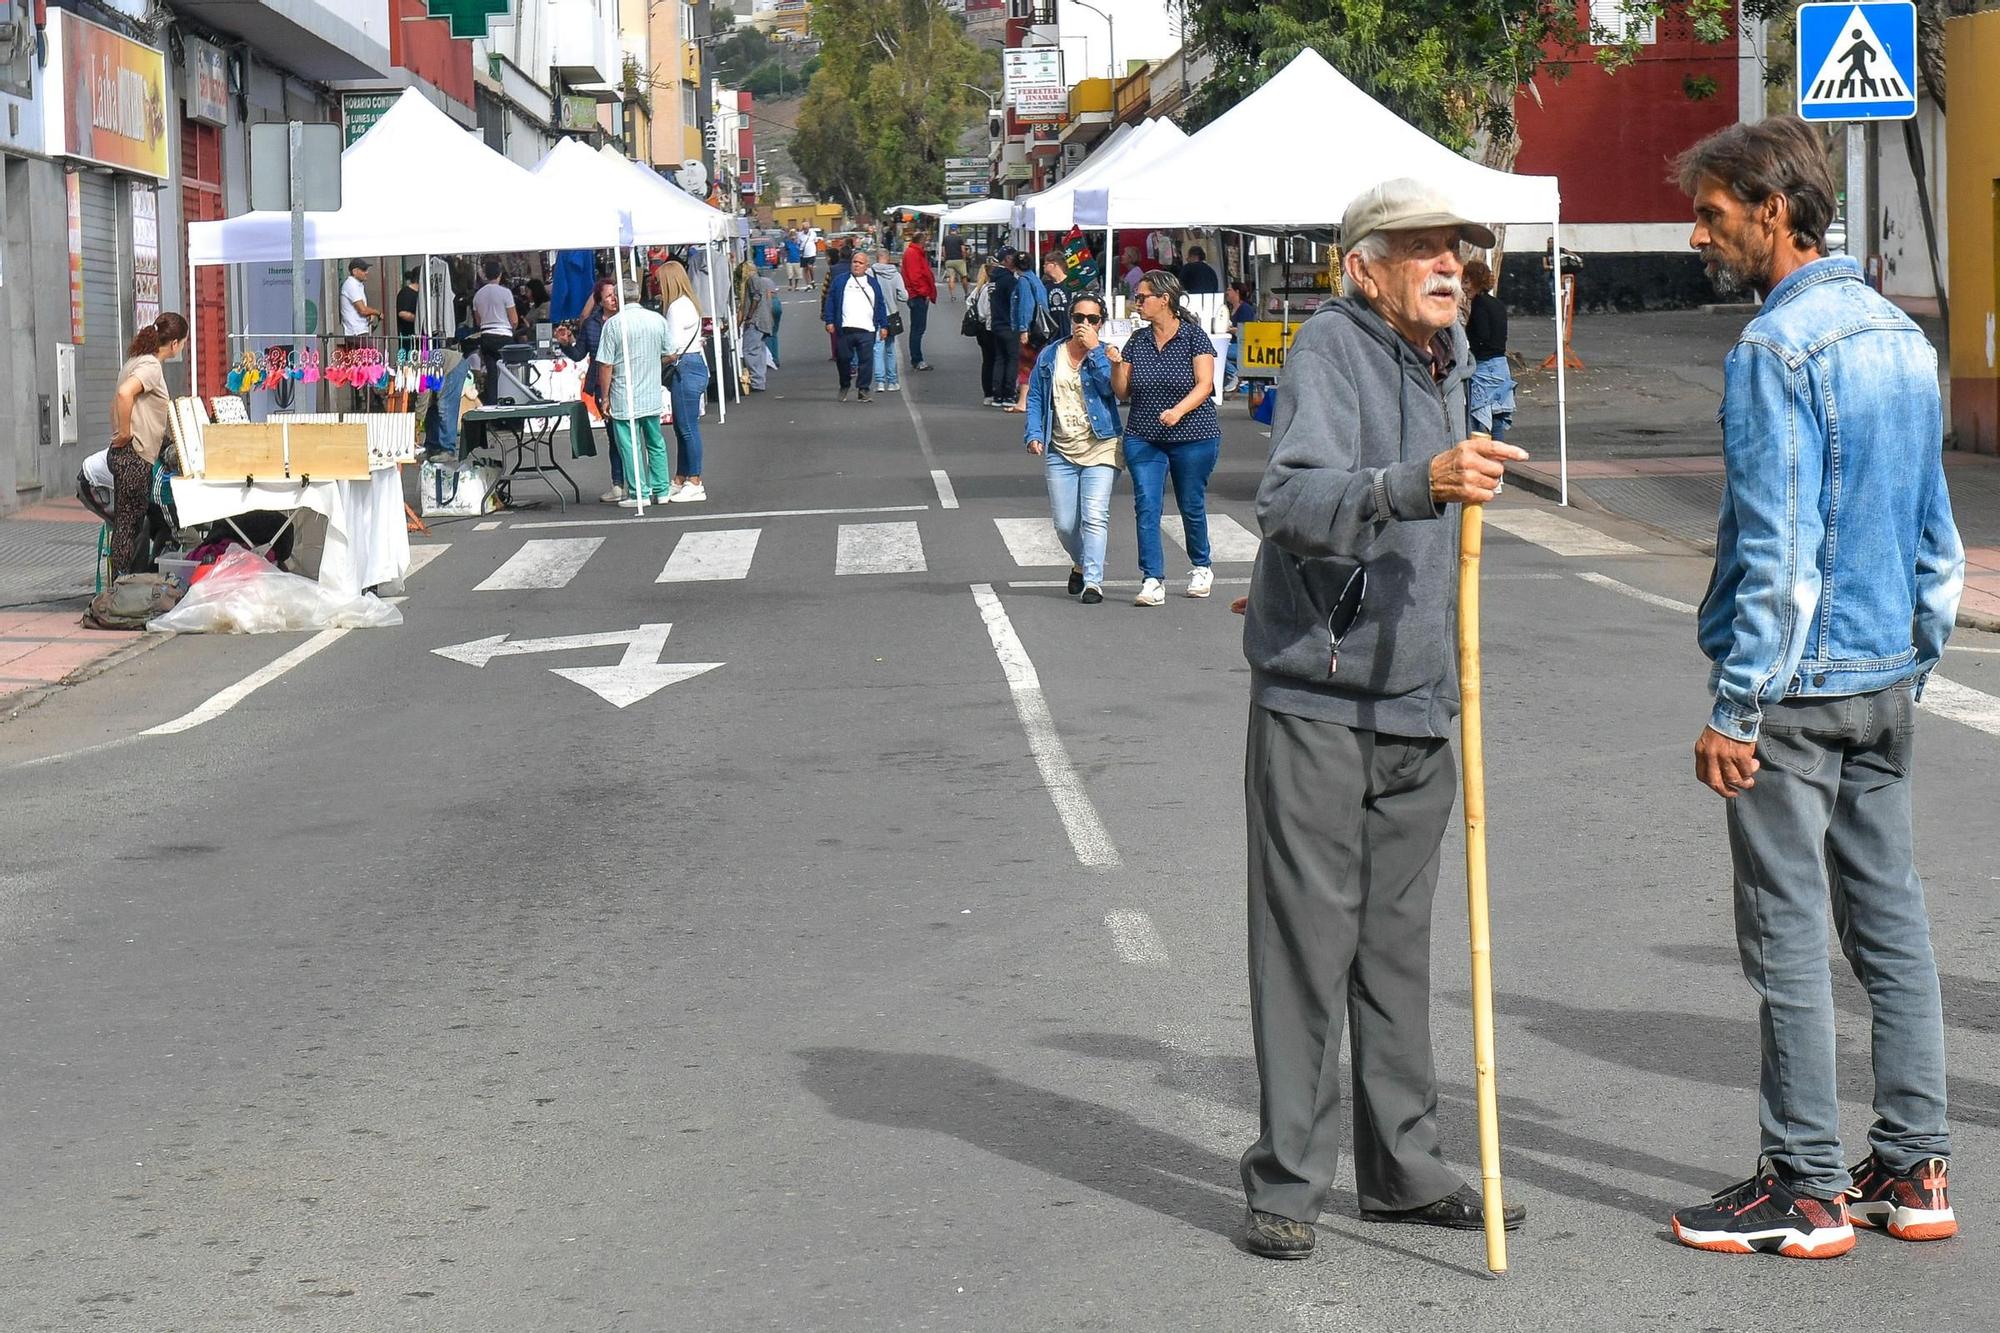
(12, 706)
(1536, 483)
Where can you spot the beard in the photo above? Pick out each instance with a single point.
(1744, 274)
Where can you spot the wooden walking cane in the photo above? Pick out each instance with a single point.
(1472, 744)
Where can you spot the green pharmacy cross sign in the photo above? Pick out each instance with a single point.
(468, 17)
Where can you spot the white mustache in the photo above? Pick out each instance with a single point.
(1451, 287)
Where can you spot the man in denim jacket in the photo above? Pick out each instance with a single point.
(1837, 577)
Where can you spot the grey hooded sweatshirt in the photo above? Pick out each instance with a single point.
(1354, 599)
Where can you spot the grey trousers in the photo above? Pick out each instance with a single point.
(1829, 821)
(1344, 828)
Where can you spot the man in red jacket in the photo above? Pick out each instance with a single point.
(922, 285)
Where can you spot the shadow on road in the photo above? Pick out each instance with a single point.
(1525, 1124)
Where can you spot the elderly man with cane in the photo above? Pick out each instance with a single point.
(1348, 776)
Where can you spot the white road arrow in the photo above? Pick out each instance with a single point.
(638, 675)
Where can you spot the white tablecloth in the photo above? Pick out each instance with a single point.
(367, 537)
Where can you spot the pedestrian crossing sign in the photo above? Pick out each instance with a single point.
(1858, 62)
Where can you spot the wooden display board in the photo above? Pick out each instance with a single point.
(283, 451)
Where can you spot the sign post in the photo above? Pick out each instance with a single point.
(295, 167)
(1857, 64)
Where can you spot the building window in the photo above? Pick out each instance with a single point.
(690, 107)
(1609, 17)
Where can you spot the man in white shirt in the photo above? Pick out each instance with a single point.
(809, 248)
(856, 313)
(494, 314)
(357, 317)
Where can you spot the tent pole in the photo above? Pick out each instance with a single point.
(1562, 386)
(721, 391)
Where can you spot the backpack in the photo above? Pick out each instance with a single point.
(132, 600)
(977, 319)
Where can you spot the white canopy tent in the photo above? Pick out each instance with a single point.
(416, 183)
(647, 209)
(1183, 188)
(981, 213)
(1054, 209)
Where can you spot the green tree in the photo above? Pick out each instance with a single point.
(886, 105)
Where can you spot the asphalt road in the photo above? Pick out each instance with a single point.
(868, 980)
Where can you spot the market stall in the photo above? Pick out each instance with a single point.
(1182, 188)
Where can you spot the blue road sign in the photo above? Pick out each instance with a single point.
(1858, 62)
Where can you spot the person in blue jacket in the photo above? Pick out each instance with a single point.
(1073, 426)
(1031, 297)
(856, 313)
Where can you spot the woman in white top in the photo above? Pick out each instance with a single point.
(687, 385)
(1073, 425)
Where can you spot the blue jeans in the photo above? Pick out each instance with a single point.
(854, 354)
(1189, 465)
(886, 372)
(920, 319)
(1835, 777)
(1080, 503)
(690, 386)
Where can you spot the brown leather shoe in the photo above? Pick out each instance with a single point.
(1276, 1237)
(1461, 1210)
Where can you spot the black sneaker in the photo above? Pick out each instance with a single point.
(1461, 1210)
(1075, 582)
(1764, 1215)
(843, 395)
(1916, 1206)
(863, 395)
(1276, 1237)
(1092, 595)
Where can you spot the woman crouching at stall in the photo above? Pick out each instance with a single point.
(139, 410)
(1073, 425)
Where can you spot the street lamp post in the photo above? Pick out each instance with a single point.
(1110, 33)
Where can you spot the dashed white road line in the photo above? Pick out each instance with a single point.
(1554, 533)
(879, 548)
(725, 553)
(630, 519)
(1228, 540)
(1962, 703)
(947, 494)
(487, 526)
(1087, 834)
(1637, 594)
(1136, 939)
(421, 557)
(1031, 541)
(546, 562)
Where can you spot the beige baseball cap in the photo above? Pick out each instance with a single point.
(1406, 204)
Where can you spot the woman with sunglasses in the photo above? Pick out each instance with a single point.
(1168, 375)
(1073, 427)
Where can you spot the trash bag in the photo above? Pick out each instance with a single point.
(132, 601)
(245, 594)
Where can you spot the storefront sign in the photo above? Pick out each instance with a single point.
(360, 111)
(1027, 66)
(73, 192)
(145, 255)
(1264, 344)
(108, 97)
(1041, 101)
(207, 79)
(576, 112)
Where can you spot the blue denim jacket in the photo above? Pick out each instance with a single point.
(1099, 402)
(1838, 568)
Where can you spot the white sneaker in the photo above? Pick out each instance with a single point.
(1151, 593)
(1201, 582)
(672, 486)
(612, 496)
(629, 502)
(690, 492)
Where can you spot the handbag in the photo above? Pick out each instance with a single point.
(974, 323)
(1044, 330)
(894, 327)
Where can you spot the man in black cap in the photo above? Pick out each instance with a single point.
(1002, 363)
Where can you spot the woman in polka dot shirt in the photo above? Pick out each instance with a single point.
(1168, 375)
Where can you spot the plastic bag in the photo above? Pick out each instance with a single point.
(246, 594)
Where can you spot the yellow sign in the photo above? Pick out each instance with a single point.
(1264, 346)
(111, 101)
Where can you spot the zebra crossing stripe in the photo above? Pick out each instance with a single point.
(1031, 541)
(545, 562)
(879, 548)
(703, 556)
(1228, 540)
(1556, 534)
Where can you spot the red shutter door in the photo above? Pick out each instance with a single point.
(201, 201)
